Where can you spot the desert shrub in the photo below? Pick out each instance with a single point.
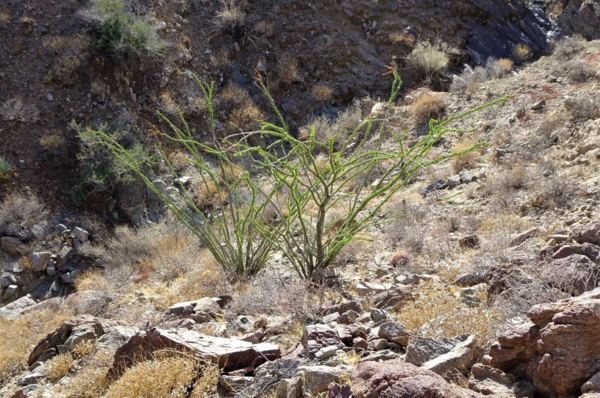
(556, 191)
(5, 167)
(231, 233)
(264, 28)
(58, 367)
(52, 139)
(428, 58)
(17, 336)
(19, 212)
(565, 49)
(17, 109)
(120, 33)
(427, 106)
(166, 376)
(470, 78)
(287, 68)
(521, 52)
(498, 68)
(409, 227)
(89, 382)
(337, 128)
(100, 171)
(578, 71)
(321, 92)
(317, 189)
(231, 17)
(466, 160)
(244, 117)
(581, 109)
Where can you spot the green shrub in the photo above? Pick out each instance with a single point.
(119, 33)
(5, 167)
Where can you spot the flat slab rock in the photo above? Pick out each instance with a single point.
(229, 354)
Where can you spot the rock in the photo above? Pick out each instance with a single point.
(400, 259)
(423, 349)
(12, 245)
(64, 256)
(341, 308)
(504, 276)
(575, 274)
(453, 181)
(60, 335)
(398, 379)
(592, 385)
(316, 337)
(489, 381)
(395, 332)
(205, 310)
(465, 177)
(289, 388)
(358, 343)
(80, 334)
(348, 318)
(469, 242)
(368, 288)
(13, 310)
(589, 233)
(81, 234)
(318, 378)
(384, 355)
(538, 105)
(87, 302)
(31, 378)
(338, 391)
(253, 337)
(347, 333)
(60, 228)
(459, 359)
(39, 260)
(378, 315)
(9, 292)
(377, 345)
(393, 298)
(326, 352)
(52, 304)
(439, 184)
(330, 318)
(229, 354)
(523, 237)
(558, 352)
(235, 383)
(470, 279)
(51, 270)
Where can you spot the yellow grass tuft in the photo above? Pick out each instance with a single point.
(428, 106)
(58, 367)
(321, 92)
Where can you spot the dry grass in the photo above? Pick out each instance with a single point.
(287, 69)
(230, 18)
(428, 58)
(178, 161)
(169, 376)
(58, 367)
(521, 52)
(567, 48)
(17, 109)
(440, 312)
(467, 160)
(233, 95)
(84, 349)
(245, 117)
(321, 92)
(264, 28)
(402, 38)
(18, 212)
(52, 139)
(428, 106)
(17, 336)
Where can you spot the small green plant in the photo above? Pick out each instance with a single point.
(5, 167)
(324, 208)
(119, 33)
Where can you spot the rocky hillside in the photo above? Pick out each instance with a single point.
(479, 277)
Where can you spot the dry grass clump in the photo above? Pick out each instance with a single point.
(467, 160)
(287, 69)
(89, 382)
(554, 192)
(244, 118)
(52, 139)
(169, 376)
(321, 92)
(19, 211)
(178, 161)
(470, 78)
(17, 336)
(429, 58)
(579, 71)
(84, 349)
(428, 106)
(58, 367)
(568, 47)
(521, 52)
(402, 38)
(233, 95)
(264, 28)
(440, 312)
(411, 225)
(230, 18)
(17, 109)
(581, 109)
(339, 128)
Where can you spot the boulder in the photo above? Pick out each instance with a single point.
(369, 288)
(60, 335)
(589, 233)
(395, 332)
(39, 260)
(398, 379)
(393, 298)
(558, 352)
(329, 307)
(423, 349)
(494, 382)
(90, 302)
(229, 354)
(458, 359)
(575, 274)
(316, 337)
(64, 256)
(13, 310)
(12, 245)
(336, 390)
(316, 379)
(235, 383)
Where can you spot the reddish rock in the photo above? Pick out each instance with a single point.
(503, 276)
(558, 353)
(400, 259)
(588, 233)
(338, 391)
(229, 354)
(575, 274)
(316, 337)
(398, 379)
(393, 297)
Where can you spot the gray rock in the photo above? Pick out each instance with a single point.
(39, 260)
(317, 378)
(81, 234)
(80, 334)
(316, 337)
(378, 315)
(60, 228)
(289, 388)
(459, 359)
(9, 292)
(377, 345)
(235, 383)
(453, 181)
(64, 256)
(253, 337)
(465, 177)
(67, 278)
(31, 378)
(326, 352)
(51, 270)
(13, 310)
(358, 343)
(12, 245)
(422, 349)
(384, 355)
(592, 385)
(331, 318)
(395, 332)
(368, 288)
(348, 318)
